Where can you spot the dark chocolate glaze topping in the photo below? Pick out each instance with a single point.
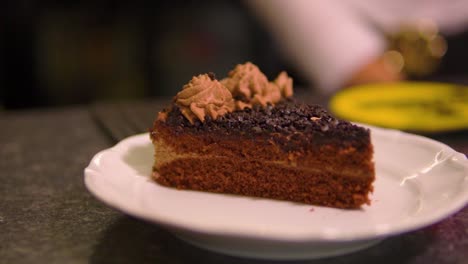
(287, 119)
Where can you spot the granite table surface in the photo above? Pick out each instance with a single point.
(48, 216)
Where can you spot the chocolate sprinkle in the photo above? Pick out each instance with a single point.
(212, 76)
(288, 117)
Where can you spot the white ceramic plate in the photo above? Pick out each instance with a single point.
(418, 182)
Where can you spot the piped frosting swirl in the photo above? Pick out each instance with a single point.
(250, 86)
(244, 87)
(204, 96)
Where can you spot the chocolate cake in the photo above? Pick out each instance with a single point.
(232, 136)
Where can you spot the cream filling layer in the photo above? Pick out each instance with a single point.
(164, 154)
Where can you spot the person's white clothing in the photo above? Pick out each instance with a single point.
(329, 40)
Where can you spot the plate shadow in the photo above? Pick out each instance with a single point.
(140, 158)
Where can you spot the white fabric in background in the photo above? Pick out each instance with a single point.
(329, 40)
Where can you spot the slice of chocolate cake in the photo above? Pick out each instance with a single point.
(246, 136)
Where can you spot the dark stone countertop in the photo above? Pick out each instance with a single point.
(48, 216)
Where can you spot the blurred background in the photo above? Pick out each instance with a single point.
(71, 52)
(55, 53)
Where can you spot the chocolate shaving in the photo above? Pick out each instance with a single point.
(212, 76)
(288, 117)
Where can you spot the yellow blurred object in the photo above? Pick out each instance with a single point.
(412, 106)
